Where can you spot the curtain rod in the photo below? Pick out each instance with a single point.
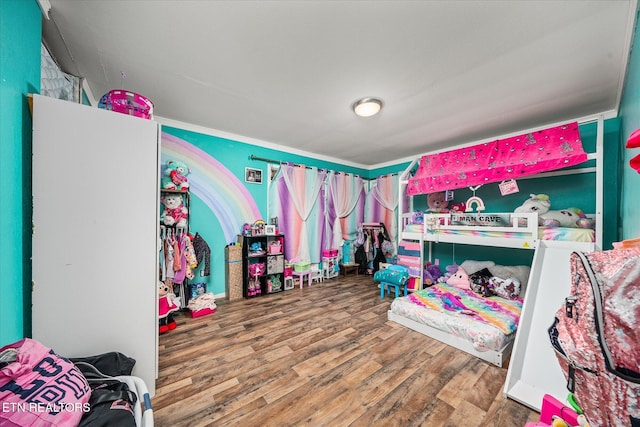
(262, 159)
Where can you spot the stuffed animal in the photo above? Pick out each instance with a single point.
(175, 176)
(437, 202)
(541, 204)
(450, 270)
(432, 274)
(174, 213)
(167, 305)
(460, 279)
(457, 207)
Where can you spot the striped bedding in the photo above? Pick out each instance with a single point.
(488, 323)
(544, 233)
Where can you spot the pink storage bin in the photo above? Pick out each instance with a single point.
(275, 248)
(288, 270)
(257, 269)
(202, 312)
(329, 253)
(125, 102)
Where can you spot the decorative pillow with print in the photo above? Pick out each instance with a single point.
(506, 288)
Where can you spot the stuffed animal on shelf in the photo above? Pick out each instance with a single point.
(167, 305)
(540, 203)
(174, 213)
(175, 176)
(437, 202)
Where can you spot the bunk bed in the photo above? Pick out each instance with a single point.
(532, 368)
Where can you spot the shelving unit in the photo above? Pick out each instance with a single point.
(330, 268)
(262, 265)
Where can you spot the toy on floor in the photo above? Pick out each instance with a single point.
(167, 305)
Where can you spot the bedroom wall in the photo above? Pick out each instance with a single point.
(630, 113)
(20, 38)
(20, 35)
(233, 156)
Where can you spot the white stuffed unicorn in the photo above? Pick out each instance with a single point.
(540, 203)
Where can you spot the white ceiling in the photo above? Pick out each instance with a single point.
(287, 72)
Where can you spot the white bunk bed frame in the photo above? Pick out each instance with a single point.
(533, 369)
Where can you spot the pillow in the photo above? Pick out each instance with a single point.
(479, 282)
(505, 288)
(459, 279)
(520, 272)
(471, 266)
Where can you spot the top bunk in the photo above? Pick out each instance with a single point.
(508, 225)
(504, 229)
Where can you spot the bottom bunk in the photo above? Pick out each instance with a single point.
(482, 326)
(495, 357)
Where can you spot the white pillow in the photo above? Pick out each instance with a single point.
(471, 266)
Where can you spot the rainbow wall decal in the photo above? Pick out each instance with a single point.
(215, 185)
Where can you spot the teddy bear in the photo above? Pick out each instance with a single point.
(540, 203)
(174, 213)
(175, 176)
(167, 305)
(437, 202)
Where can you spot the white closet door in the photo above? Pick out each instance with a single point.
(95, 218)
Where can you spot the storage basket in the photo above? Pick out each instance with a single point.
(329, 253)
(233, 272)
(122, 101)
(275, 248)
(301, 266)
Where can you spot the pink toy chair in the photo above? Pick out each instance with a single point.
(308, 272)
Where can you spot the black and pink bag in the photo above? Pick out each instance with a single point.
(596, 336)
(38, 388)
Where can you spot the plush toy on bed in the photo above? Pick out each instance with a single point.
(437, 202)
(488, 278)
(432, 274)
(460, 279)
(540, 203)
(457, 207)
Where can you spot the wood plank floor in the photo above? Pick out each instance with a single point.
(325, 355)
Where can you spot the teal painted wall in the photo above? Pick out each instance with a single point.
(235, 156)
(630, 113)
(20, 36)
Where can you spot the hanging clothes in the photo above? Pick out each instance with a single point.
(379, 253)
(203, 253)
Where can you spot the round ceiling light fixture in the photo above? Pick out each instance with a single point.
(367, 107)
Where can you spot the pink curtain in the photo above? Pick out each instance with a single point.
(304, 187)
(345, 190)
(382, 203)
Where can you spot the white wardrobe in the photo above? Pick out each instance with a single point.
(95, 232)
